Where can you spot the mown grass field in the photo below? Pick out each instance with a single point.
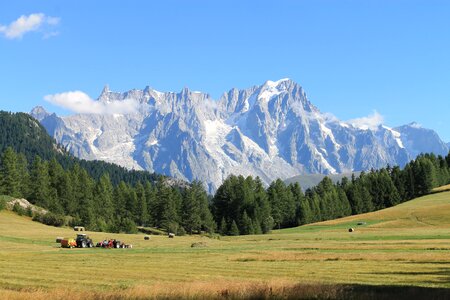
(407, 245)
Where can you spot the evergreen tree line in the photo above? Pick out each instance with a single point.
(99, 204)
(242, 205)
(26, 135)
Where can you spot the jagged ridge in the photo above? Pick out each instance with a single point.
(268, 131)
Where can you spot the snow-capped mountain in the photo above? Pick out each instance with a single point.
(271, 131)
(417, 139)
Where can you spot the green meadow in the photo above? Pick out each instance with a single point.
(406, 245)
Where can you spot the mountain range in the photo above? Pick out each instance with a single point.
(271, 131)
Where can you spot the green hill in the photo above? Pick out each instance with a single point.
(405, 245)
(422, 215)
(26, 135)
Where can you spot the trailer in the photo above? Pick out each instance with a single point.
(68, 243)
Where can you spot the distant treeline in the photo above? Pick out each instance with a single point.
(98, 204)
(240, 205)
(106, 197)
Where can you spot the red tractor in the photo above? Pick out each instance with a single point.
(109, 244)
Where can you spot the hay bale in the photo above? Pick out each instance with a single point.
(199, 245)
(361, 223)
(351, 230)
(59, 239)
(78, 228)
(171, 235)
(146, 237)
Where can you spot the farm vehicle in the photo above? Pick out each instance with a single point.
(68, 243)
(113, 244)
(83, 241)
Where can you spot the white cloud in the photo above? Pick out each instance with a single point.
(370, 122)
(25, 24)
(79, 102)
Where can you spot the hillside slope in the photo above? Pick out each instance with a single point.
(406, 245)
(417, 218)
(26, 135)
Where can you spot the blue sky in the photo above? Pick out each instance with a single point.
(351, 57)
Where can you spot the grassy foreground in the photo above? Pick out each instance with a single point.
(407, 245)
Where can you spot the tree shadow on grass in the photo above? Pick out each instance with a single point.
(357, 292)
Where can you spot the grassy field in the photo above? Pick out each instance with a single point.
(407, 245)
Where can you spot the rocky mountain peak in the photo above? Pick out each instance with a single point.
(39, 113)
(271, 131)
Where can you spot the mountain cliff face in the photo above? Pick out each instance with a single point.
(268, 131)
(417, 139)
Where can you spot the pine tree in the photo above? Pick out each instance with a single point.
(55, 172)
(142, 209)
(234, 230)
(104, 208)
(424, 176)
(150, 195)
(84, 196)
(190, 217)
(40, 183)
(367, 201)
(324, 191)
(275, 205)
(223, 227)
(390, 195)
(304, 212)
(399, 182)
(120, 199)
(167, 208)
(131, 204)
(346, 209)
(24, 175)
(354, 196)
(298, 196)
(247, 225)
(66, 196)
(443, 171)
(10, 184)
(207, 222)
(224, 200)
(263, 208)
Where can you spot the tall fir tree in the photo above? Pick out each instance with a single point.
(103, 203)
(24, 175)
(234, 230)
(190, 216)
(40, 183)
(150, 196)
(10, 183)
(142, 209)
